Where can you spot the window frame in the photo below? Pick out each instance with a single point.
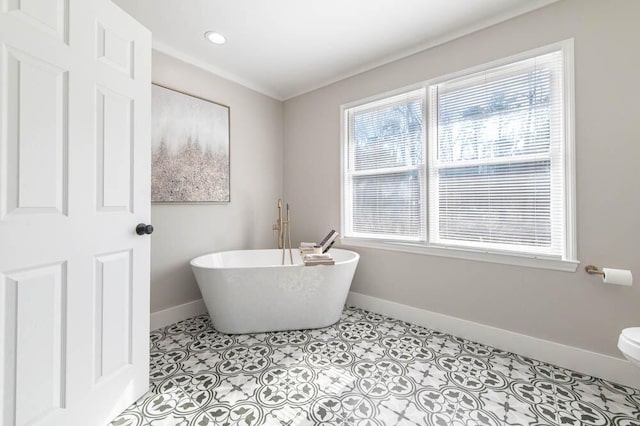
(568, 262)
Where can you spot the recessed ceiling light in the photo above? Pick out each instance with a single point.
(215, 38)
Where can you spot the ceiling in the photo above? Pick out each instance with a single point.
(284, 48)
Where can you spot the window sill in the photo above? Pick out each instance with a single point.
(529, 261)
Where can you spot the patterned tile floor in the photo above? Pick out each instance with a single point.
(366, 370)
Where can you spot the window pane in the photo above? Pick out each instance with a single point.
(388, 205)
(505, 117)
(503, 204)
(498, 180)
(387, 136)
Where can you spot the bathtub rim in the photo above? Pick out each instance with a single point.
(355, 257)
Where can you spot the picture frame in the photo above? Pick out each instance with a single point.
(190, 148)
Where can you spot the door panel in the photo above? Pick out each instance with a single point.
(34, 313)
(74, 182)
(114, 144)
(115, 50)
(36, 145)
(50, 16)
(113, 313)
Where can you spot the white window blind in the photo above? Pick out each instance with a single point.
(497, 159)
(384, 185)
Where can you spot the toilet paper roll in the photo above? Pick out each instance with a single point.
(617, 276)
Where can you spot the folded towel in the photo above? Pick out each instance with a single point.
(311, 256)
(313, 262)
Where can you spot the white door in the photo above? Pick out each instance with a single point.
(74, 183)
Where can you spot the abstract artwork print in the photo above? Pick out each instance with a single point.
(190, 149)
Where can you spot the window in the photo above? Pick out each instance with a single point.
(494, 177)
(386, 169)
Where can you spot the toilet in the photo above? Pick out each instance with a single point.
(629, 344)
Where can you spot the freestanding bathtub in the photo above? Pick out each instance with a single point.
(249, 291)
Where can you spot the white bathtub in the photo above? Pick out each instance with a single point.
(249, 291)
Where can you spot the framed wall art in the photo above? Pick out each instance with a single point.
(190, 148)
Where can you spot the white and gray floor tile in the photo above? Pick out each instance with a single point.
(366, 370)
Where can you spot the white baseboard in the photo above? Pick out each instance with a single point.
(617, 370)
(177, 313)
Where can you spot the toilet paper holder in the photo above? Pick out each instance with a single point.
(593, 270)
(611, 276)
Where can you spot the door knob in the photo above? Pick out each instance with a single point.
(142, 229)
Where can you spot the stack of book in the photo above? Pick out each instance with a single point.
(318, 259)
(317, 254)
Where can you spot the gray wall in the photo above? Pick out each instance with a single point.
(185, 231)
(570, 308)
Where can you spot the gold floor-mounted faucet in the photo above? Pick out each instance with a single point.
(279, 225)
(284, 233)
